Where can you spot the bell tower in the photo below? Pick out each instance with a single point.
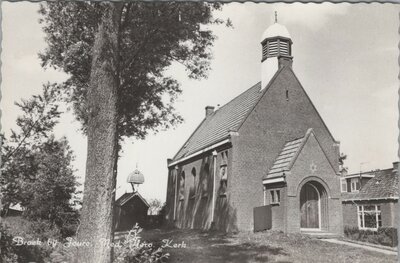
(276, 51)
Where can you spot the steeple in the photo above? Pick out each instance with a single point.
(276, 51)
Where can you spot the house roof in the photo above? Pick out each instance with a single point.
(217, 126)
(128, 196)
(385, 185)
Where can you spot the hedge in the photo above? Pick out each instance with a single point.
(386, 236)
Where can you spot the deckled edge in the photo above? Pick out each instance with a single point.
(1, 79)
(398, 129)
(226, 1)
(234, 1)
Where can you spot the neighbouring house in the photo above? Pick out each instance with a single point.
(130, 208)
(268, 147)
(12, 210)
(370, 199)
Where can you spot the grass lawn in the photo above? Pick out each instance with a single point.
(257, 247)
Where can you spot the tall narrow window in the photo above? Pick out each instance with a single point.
(343, 184)
(223, 179)
(223, 174)
(182, 187)
(355, 184)
(275, 196)
(194, 185)
(287, 95)
(205, 178)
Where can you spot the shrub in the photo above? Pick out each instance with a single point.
(10, 252)
(386, 236)
(389, 234)
(134, 250)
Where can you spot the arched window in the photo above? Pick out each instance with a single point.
(194, 184)
(204, 182)
(182, 186)
(223, 174)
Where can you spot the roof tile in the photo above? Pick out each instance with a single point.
(285, 157)
(216, 127)
(385, 184)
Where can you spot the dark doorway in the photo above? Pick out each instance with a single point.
(310, 207)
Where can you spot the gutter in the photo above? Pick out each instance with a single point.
(368, 199)
(211, 147)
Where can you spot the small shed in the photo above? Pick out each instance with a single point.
(130, 208)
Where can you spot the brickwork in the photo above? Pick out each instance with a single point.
(389, 212)
(349, 214)
(273, 121)
(277, 208)
(312, 165)
(193, 210)
(283, 113)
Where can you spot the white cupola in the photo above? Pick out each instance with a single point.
(276, 51)
(135, 178)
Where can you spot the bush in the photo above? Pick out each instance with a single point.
(134, 250)
(69, 223)
(389, 236)
(10, 252)
(386, 236)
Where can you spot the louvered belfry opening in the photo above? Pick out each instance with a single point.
(276, 47)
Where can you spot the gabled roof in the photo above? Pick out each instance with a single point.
(128, 196)
(288, 155)
(230, 117)
(217, 126)
(385, 185)
(285, 158)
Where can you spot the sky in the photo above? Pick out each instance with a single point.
(345, 56)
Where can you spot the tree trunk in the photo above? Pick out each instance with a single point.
(99, 188)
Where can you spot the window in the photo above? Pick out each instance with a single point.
(355, 184)
(223, 179)
(193, 188)
(343, 184)
(275, 196)
(204, 181)
(223, 174)
(369, 217)
(265, 196)
(182, 187)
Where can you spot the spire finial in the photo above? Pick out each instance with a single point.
(276, 17)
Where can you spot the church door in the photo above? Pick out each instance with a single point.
(309, 207)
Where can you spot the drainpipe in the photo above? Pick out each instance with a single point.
(176, 190)
(214, 153)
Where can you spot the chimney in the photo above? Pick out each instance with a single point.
(395, 166)
(209, 110)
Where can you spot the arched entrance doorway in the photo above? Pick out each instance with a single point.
(313, 206)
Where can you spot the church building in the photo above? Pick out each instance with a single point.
(268, 147)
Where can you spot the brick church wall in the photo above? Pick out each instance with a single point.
(274, 121)
(194, 211)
